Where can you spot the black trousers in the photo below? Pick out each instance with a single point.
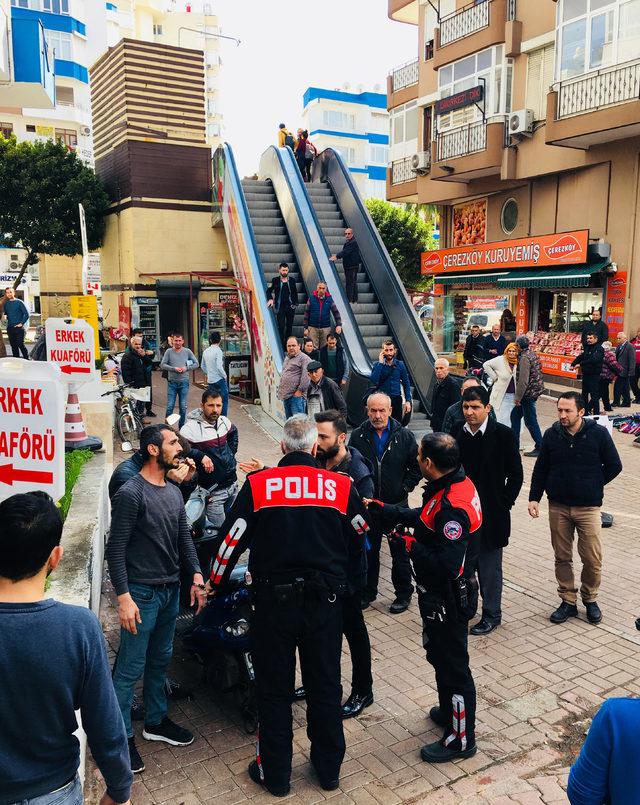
(351, 275)
(314, 627)
(284, 317)
(604, 395)
(396, 408)
(591, 393)
(400, 566)
(621, 392)
(16, 339)
(447, 651)
(355, 630)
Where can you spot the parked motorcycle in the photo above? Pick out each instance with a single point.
(219, 636)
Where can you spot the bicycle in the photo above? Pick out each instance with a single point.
(128, 420)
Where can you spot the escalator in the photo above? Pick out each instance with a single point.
(272, 240)
(383, 309)
(278, 217)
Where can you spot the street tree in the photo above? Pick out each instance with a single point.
(406, 233)
(42, 184)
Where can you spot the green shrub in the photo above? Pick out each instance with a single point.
(73, 464)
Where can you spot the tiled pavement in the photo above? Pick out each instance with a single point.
(537, 684)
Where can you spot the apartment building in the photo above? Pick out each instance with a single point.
(356, 124)
(521, 120)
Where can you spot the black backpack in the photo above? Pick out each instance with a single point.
(289, 141)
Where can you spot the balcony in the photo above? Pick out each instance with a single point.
(402, 84)
(468, 152)
(401, 180)
(404, 76)
(595, 108)
(403, 11)
(33, 71)
(475, 27)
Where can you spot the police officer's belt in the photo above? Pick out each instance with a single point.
(303, 586)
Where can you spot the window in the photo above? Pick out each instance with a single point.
(539, 81)
(379, 155)
(338, 120)
(347, 154)
(31, 128)
(596, 33)
(56, 6)
(509, 216)
(157, 30)
(67, 136)
(213, 129)
(59, 43)
(486, 67)
(404, 123)
(64, 96)
(6, 130)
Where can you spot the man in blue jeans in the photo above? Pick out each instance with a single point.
(294, 380)
(529, 386)
(150, 542)
(177, 362)
(213, 366)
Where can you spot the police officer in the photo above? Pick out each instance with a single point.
(305, 527)
(443, 549)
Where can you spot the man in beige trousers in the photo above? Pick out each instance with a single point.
(577, 458)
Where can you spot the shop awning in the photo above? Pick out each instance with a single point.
(561, 277)
(469, 279)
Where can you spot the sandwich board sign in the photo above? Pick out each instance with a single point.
(71, 345)
(32, 404)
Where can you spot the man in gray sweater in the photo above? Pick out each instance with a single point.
(177, 362)
(150, 542)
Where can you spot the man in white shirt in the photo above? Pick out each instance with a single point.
(213, 367)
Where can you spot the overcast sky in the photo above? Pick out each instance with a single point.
(289, 46)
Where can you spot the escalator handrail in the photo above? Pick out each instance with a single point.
(254, 256)
(318, 252)
(382, 274)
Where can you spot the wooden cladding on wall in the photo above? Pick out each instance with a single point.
(146, 90)
(156, 170)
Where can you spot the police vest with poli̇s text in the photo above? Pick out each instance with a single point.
(297, 519)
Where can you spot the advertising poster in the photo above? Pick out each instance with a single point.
(238, 373)
(616, 297)
(469, 223)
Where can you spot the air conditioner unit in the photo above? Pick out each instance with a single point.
(521, 122)
(14, 266)
(421, 162)
(85, 130)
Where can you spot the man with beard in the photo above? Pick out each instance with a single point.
(149, 544)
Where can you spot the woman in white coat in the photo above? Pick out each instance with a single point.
(502, 371)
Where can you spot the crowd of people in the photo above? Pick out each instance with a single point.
(315, 526)
(303, 149)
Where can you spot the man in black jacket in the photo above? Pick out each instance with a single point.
(334, 360)
(577, 459)
(323, 393)
(474, 354)
(597, 326)
(590, 361)
(134, 368)
(282, 296)
(490, 457)
(454, 418)
(350, 256)
(393, 451)
(446, 392)
(626, 357)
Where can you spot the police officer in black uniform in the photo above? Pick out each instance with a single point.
(443, 550)
(305, 528)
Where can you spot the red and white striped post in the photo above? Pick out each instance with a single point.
(75, 435)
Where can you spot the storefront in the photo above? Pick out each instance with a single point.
(547, 286)
(220, 311)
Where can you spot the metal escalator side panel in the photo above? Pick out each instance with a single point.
(407, 329)
(266, 349)
(312, 255)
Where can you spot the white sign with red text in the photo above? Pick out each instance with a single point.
(32, 404)
(71, 345)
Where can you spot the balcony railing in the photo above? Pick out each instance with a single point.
(607, 87)
(459, 142)
(401, 171)
(405, 75)
(464, 22)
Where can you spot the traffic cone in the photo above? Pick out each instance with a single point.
(75, 435)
